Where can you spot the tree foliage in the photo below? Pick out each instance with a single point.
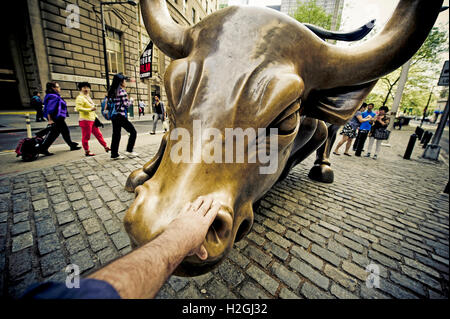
(423, 75)
(310, 12)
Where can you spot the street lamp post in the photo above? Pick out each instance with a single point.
(105, 53)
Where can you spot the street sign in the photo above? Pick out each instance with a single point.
(443, 80)
(146, 62)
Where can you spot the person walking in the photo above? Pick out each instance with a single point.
(55, 110)
(142, 106)
(378, 131)
(119, 120)
(88, 121)
(349, 132)
(36, 103)
(160, 113)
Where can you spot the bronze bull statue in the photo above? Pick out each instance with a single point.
(250, 68)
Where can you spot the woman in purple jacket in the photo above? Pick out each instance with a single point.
(55, 110)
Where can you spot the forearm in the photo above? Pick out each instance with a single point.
(141, 273)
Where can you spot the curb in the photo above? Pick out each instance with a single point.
(105, 122)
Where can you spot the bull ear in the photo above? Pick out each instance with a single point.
(338, 105)
(141, 175)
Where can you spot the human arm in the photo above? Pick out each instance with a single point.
(362, 120)
(141, 273)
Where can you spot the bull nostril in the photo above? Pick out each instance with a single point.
(221, 228)
(244, 228)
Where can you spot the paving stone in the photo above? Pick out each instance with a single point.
(298, 239)
(75, 196)
(20, 228)
(111, 226)
(336, 275)
(84, 214)
(203, 279)
(61, 207)
(371, 293)
(354, 270)
(407, 283)
(342, 293)
(277, 239)
(386, 251)
(286, 276)
(71, 230)
(309, 273)
(338, 249)
(105, 193)
(189, 293)
(257, 255)
(383, 259)
(178, 283)
(306, 256)
(287, 294)
(19, 217)
(219, 291)
(420, 276)
(313, 237)
(79, 204)
(417, 265)
(256, 238)
(75, 244)
(91, 226)
(238, 258)
(83, 260)
(274, 226)
(312, 292)
(98, 241)
(52, 262)
(20, 263)
(320, 230)
(107, 255)
(349, 243)
(48, 244)
(263, 279)
(325, 254)
(120, 240)
(395, 291)
(276, 251)
(22, 241)
(65, 217)
(251, 291)
(230, 273)
(40, 204)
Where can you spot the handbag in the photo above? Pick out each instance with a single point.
(381, 134)
(97, 123)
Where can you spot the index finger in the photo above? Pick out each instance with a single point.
(212, 213)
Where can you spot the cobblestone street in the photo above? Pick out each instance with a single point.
(309, 240)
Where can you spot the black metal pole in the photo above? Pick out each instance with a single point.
(410, 147)
(105, 54)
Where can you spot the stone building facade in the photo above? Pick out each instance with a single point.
(61, 40)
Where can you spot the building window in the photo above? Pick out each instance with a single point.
(193, 15)
(114, 49)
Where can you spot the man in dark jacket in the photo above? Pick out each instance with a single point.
(37, 104)
(159, 111)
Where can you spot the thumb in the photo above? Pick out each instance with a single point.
(202, 253)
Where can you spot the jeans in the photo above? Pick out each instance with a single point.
(157, 118)
(88, 128)
(58, 127)
(377, 146)
(118, 122)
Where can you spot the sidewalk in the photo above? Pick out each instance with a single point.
(309, 240)
(16, 121)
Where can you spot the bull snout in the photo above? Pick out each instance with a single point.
(153, 211)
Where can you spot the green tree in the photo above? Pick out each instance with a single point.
(423, 72)
(310, 12)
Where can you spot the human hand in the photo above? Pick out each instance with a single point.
(193, 222)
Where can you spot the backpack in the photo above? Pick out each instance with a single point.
(108, 108)
(28, 148)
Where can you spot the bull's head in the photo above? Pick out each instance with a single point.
(246, 67)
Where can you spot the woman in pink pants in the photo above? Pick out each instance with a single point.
(86, 107)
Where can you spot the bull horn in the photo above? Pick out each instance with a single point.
(353, 35)
(168, 36)
(402, 36)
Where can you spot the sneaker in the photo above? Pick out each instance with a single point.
(132, 154)
(375, 157)
(367, 155)
(152, 133)
(118, 157)
(75, 147)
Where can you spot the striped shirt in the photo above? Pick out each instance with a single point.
(122, 102)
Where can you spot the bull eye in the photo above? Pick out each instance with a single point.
(287, 121)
